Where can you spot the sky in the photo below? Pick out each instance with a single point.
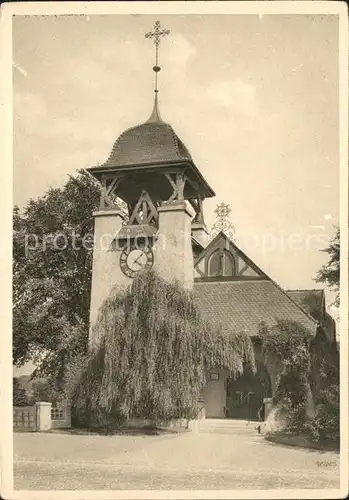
(254, 98)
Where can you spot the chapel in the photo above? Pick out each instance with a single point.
(152, 171)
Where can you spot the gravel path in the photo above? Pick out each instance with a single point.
(185, 461)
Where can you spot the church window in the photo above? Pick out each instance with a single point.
(228, 264)
(221, 263)
(214, 264)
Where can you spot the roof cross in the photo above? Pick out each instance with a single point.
(156, 36)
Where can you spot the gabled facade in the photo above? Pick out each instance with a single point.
(232, 291)
(222, 259)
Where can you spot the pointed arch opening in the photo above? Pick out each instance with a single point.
(221, 263)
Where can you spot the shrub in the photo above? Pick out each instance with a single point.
(290, 400)
(288, 343)
(325, 425)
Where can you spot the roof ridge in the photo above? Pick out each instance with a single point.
(175, 141)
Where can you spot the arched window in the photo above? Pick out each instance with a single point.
(228, 264)
(214, 264)
(221, 263)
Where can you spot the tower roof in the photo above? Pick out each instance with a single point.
(151, 142)
(154, 147)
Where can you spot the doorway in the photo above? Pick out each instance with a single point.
(245, 394)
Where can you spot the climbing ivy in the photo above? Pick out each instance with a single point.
(287, 344)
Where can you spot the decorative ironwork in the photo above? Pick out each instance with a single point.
(156, 36)
(157, 33)
(222, 222)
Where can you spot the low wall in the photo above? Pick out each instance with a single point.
(41, 417)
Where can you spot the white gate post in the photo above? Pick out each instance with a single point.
(43, 416)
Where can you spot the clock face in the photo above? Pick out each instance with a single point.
(135, 259)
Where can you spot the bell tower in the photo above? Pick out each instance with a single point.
(152, 172)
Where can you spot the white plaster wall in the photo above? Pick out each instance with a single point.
(249, 272)
(215, 395)
(173, 254)
(43, 416)
(106, 272)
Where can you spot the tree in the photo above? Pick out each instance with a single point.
(330, 272)
(19, 396)
(52, 261)
(44, 389)
(152, 355)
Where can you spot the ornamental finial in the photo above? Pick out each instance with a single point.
(222, 221)
(156, 36)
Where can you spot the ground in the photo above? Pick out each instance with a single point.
(212, 460)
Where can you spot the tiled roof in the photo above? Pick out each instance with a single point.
(310, 300)
(243, 304)
(152, 142)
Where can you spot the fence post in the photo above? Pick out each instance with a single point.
(43, 416)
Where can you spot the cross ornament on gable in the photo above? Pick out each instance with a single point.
(223, 222)
(223, 210)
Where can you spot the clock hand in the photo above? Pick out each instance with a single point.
(136, 260)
